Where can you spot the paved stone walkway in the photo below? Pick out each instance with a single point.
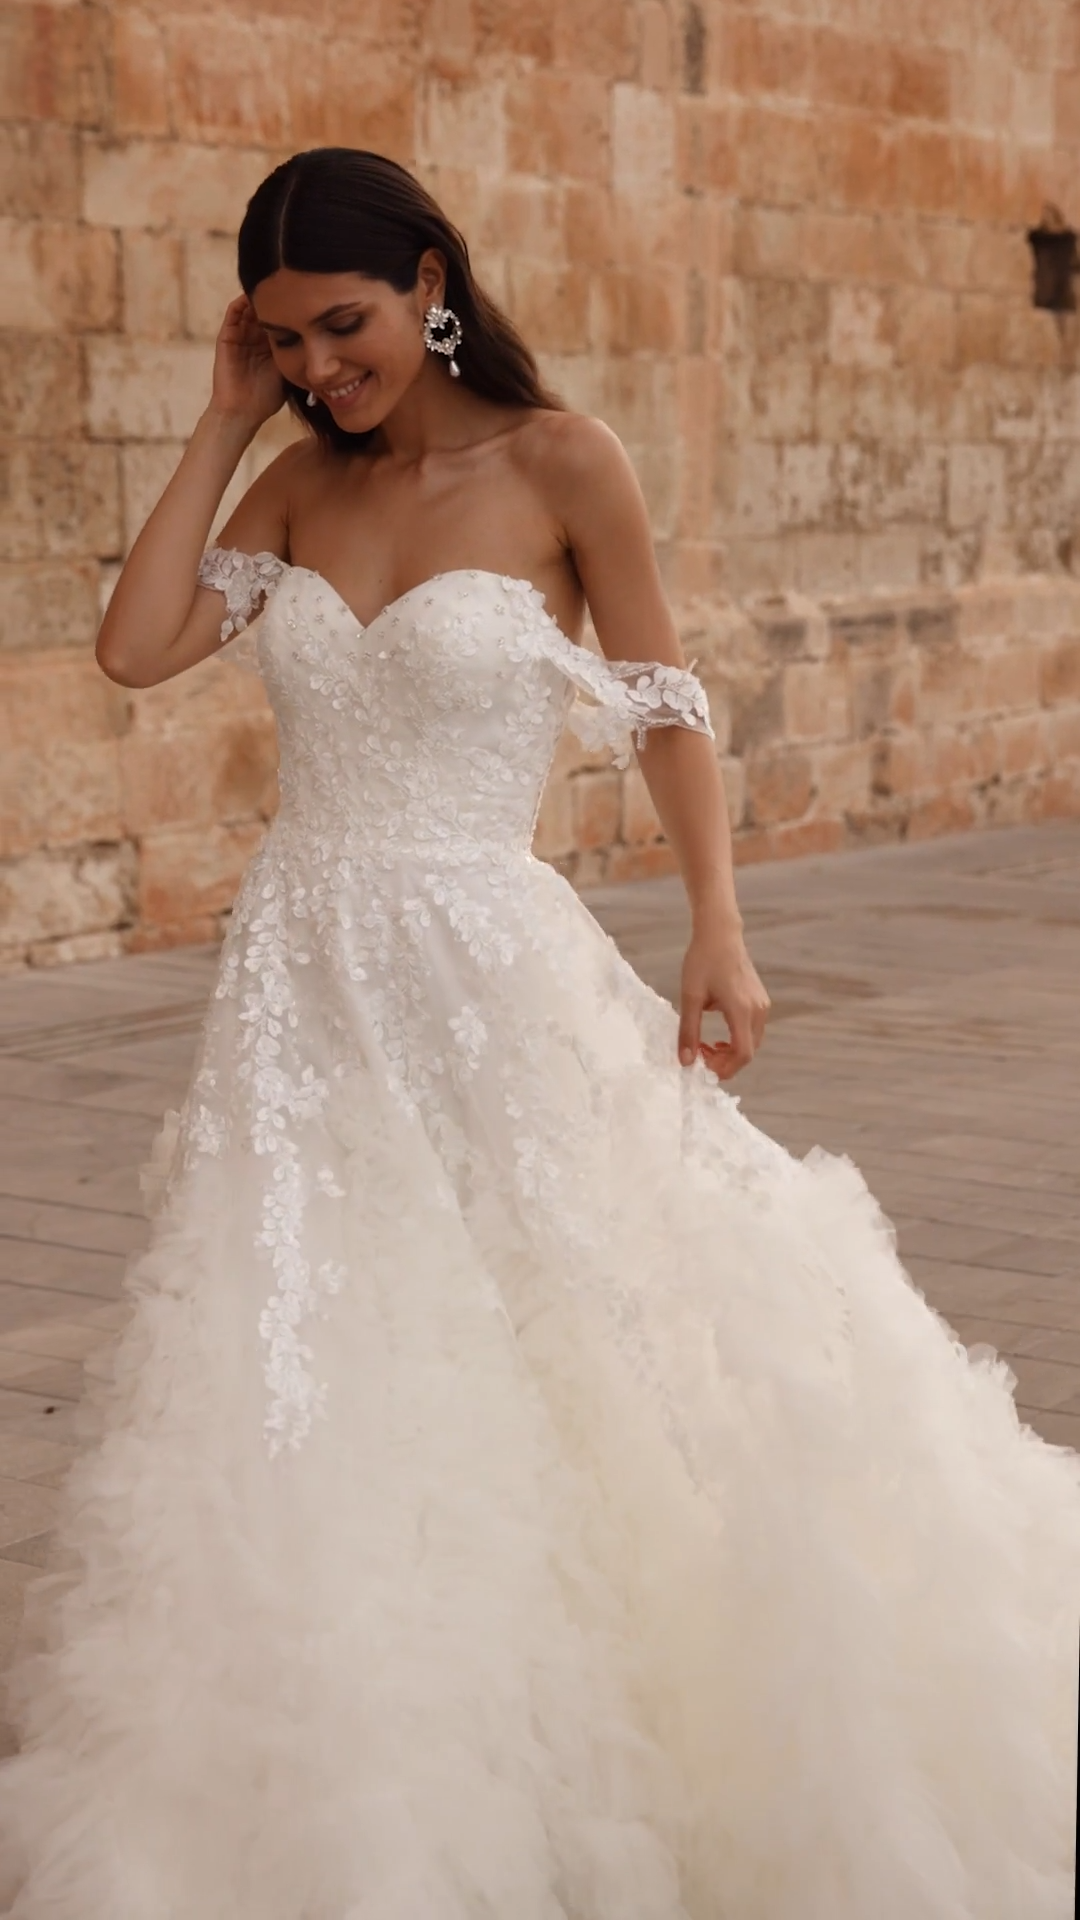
(925, 1021)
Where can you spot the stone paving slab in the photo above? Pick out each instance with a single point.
(925, 1003)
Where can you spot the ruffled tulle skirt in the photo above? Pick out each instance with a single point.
(523, 1491)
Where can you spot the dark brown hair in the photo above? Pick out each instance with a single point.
(339, 210)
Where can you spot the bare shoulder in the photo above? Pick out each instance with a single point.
(563, 451)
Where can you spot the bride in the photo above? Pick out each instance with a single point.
(522, 1490)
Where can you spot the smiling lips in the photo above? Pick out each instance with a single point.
(339, 395)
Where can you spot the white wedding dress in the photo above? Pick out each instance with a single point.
(523, 1492)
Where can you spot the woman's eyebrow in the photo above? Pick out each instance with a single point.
(278, 326)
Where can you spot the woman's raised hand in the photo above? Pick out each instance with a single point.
(247, 384)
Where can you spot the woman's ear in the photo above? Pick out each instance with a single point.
(431, 277)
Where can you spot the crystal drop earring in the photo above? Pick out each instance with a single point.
(311, 399)
(442, 334)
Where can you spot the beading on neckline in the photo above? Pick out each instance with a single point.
(509, 581)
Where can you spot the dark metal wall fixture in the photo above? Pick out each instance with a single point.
(1053, 246)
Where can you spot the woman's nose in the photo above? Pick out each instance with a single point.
(320, 368)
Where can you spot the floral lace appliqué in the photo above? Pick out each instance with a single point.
(383, 955)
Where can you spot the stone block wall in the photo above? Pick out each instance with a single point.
(777, 244)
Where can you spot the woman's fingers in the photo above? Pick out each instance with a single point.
(690, 1013)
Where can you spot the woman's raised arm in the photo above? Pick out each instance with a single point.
(159, 621)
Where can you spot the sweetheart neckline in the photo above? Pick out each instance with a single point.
(448, 573)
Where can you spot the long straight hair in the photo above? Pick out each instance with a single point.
(340, 210)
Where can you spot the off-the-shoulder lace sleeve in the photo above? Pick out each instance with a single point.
(245, 579)
(625, 699)
(628, 698)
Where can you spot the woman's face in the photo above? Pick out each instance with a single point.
(356, 343)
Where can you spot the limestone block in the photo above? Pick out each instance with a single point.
(817, 700)
(55, 64)
(1067, 103)
(169, 183)
(57, 277)
(152, 286)
(763, 565)
(515, 28)
(655, 60)
(1058, 735)
(146, 390)
(595, 804)
(769, 242)
(586, 235)
(943, 813)
(858, 335)
(49, 896)
(65, 499)
(629, 312)
(949, 686)
(1059, 673)
(188, 872)
(779, 785)
(757, 54)
(920, 81)
(757, 490)
(147, 467)
(39, 171)
(40, 385)
(57, 794)
(976, 488)
(549, 304)
(48, 604)
(707, 135)
(221, 773)
(557, 126)
(60, 698)
(642, 143)
(231, 85)
(597, 39)
(214, 693)
(983, 91)
(807, 484)
(928, 169)
(880, 485)
(638, 823)
(922, 325)
(348, 92)
(839, 246)
(786, 316)
(756, 706)
(649, 862)
(209, 282)
(464, 124)
(140, 73)
(857, 164)
(826, 562)
(841, 778)
(893, 559)
(777, 156)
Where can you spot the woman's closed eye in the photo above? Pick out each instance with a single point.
(286, 340)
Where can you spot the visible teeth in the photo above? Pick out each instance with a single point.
(339, 393)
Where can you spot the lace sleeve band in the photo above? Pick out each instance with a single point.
(633, 697)
(626, 699)
(244, 578)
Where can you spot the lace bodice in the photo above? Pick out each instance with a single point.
(433, 728)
